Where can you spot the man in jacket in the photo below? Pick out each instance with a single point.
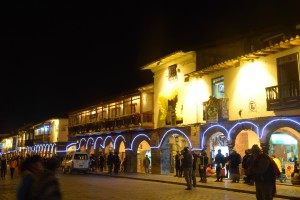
(220, 163)
(187, 163)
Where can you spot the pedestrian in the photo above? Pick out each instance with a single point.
(30, 170)
(227, 165)
(278, 163)
(219, 163)
(110, 162)
(146, 164)
(246, 164)
(195, 158)
(177, 163)
(3, 166)
(12, 166)
(263, 174)
(202, 167)
(235, 160)
(46, 186)
(116, 162)
(187, 164)
(101, 162)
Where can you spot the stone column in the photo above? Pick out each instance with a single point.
(155, 161)
(131, 161)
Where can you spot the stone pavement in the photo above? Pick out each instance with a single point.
(284, 190)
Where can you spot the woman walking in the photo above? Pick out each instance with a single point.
(12, 166)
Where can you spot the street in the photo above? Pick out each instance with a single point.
(85, 187)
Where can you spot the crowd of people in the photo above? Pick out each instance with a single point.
(38, 175)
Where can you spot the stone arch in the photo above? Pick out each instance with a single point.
(82, 145)
(98, 144)
(90, 145)
(291, 126)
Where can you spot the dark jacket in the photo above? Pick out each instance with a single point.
(220, 159)
(187, 161)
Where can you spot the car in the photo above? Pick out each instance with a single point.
(76, 161)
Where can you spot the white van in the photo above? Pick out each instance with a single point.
(76, 161)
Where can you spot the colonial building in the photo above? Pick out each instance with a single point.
(229, 95)
(48, 138)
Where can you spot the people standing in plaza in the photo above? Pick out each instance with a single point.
(110, 162)
(227, 166)
(146, 163)
(187, 164)
(202, 166)
(177, 163)
(116, 162)
(219, 163)
(3, 166)
(278, 163)
(13, 163)
(210, 171)
(46, 186)
(235, 160)
(263, 174)
(246, 164)
(195, 158)
(30, 171)
(101, 162)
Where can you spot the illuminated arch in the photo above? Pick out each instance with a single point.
(95, 143)
(263, 131)
(167, 132)
(117, 139)
(202, 140)
(241, 123)
(138, 136)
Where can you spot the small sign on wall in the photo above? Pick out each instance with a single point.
(252, 106)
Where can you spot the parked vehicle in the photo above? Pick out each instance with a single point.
(76, 161)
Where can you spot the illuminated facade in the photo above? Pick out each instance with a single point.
(229, 96)
(47, 139)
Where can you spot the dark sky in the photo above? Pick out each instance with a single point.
(57, 57)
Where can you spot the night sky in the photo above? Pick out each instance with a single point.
(58, 57)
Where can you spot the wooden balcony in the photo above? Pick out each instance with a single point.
(283, 97)
(144, 120)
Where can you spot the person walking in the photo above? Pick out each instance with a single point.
(3, 166)
(187, 164)
(30, 170)
(46, 186)
(263, 174)
(235, 160)
(146, 163)
(12, 166)
(220, 163)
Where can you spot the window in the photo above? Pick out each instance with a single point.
(218, 89)
(287, 69)
(173, 72)
(288, 75)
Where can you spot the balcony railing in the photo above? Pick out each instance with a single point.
(283, 97)
(144, 120)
